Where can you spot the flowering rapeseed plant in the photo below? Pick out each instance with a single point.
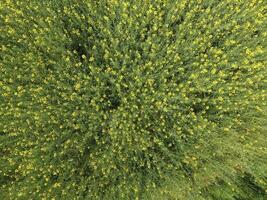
(117, 99)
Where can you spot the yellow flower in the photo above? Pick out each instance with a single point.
(77, 86)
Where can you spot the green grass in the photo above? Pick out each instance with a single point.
(115, 99)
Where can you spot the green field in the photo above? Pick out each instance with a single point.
(133, 99)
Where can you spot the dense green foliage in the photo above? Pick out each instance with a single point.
(144, 99)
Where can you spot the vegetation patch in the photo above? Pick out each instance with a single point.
(122, 99)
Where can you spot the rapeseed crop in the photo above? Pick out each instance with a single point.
(121, 99)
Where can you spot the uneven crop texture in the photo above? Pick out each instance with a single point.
(124, 99)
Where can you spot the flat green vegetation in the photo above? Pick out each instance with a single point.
(124, 99)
